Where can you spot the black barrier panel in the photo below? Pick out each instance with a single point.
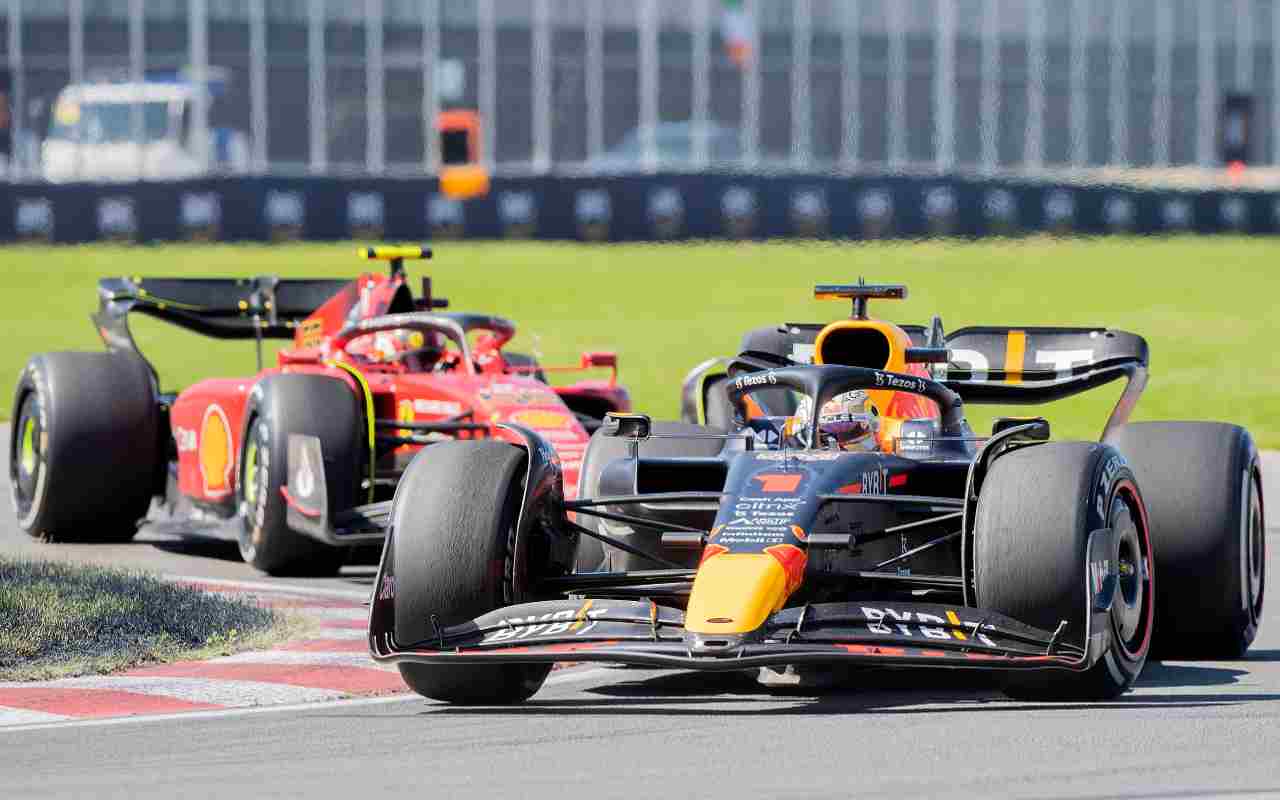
(674, 206)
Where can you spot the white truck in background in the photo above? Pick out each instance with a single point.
(136, 131)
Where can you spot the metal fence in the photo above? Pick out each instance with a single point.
(565, 86)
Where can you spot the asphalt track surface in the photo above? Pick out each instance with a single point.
(1190, 729)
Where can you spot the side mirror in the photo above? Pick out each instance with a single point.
(599, 359)
(628, 426)
(1039, 430)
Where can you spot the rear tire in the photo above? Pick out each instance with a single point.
(455, 557)
(1203, 487)
(85, 454)
(1036, 510)
(315, 405)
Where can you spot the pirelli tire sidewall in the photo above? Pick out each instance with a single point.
(85, 450)
(280, 405)
(1038, 507)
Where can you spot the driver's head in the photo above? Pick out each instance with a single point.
(414, 347)
(850, 421)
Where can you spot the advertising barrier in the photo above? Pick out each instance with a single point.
(615, 208)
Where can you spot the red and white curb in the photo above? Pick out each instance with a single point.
(330, 663)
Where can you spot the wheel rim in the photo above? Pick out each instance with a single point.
(1130, 611)
(28, 459)
(1255, 545)
(251, 473)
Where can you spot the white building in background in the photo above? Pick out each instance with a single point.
(323, 86)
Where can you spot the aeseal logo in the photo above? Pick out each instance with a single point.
(445, 217)
(593, 211)
(666, 212)
(738, 211)
(33, 218)
(116, 218)
(284, 212)
(809, 212)
(200, 216)
(518, 212)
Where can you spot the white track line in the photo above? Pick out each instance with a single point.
(23, 716)
(334, 633)
(231, 693)
(300, 658)
(355, 595)
(566, 676)
(324, 612)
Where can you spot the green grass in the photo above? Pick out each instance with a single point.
(58, 620)
(1206, 305)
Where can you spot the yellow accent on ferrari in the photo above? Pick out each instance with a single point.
(391, 252)
(735, 593)
(368, 415)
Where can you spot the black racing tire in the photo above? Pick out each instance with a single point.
(455, 557)
(85, 454)
(594, 555)
(314, 405)
(524, 360)
(1203, 488)
(1036, 509)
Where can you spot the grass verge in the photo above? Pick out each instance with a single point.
(1205, 304)
(58, 620)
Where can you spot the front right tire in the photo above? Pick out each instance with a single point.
(456, 556)
(1036, 510)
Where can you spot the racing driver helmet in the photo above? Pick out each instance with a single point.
(849, 421)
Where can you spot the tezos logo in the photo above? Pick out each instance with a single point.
(766, 379)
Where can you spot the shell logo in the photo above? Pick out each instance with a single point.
(215, 452)
(536, 418)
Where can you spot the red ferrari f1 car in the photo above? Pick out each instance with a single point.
(300, 460)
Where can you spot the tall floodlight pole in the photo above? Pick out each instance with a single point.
(487, 81)
(1033, 147)
(944, 87)
(1244, 45)
(198, 30)
(75, 22)
(430, 92)
(1119, 85)
(1206, 81)
(317, 116)
(701, 79)
(989, 125)
(1078, 103)
(648, 75)
(17, 87)
(137, 56)
(258, 83)
(375, 96)
(801, 104)
(751, 90)
(897, 111)
(1162, 98)
(594, 76)
(850, 86)
(542, 79)
(1275, 87)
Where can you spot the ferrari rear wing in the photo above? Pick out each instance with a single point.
(224, 308)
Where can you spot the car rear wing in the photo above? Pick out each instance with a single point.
(265, 307)
(224, 308)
